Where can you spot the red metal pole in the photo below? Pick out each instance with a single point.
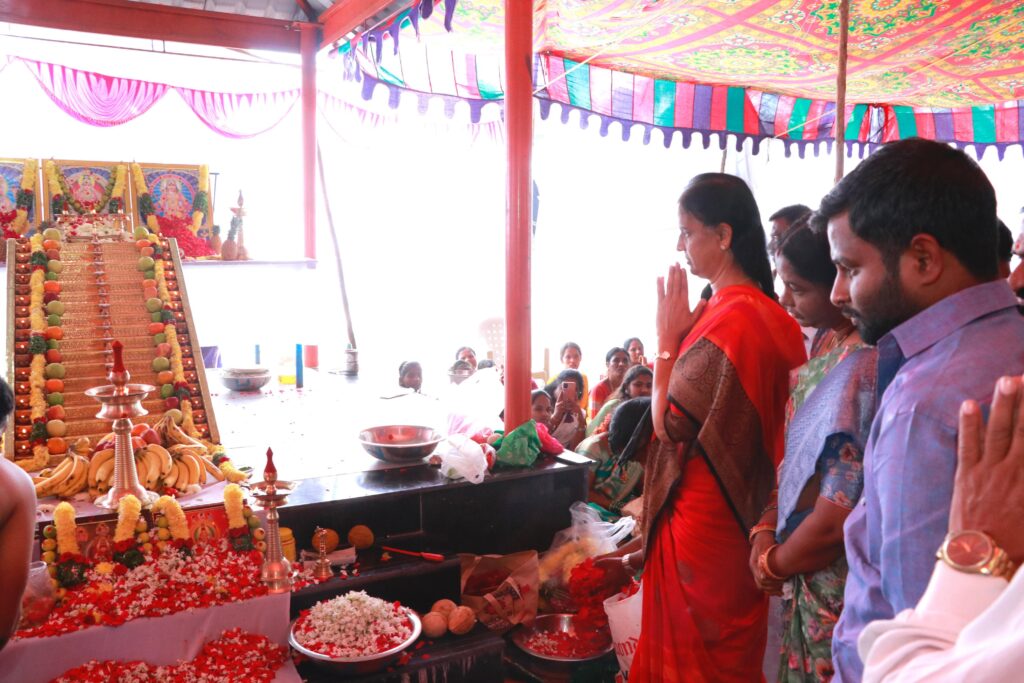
(519, 198)
(308, 44)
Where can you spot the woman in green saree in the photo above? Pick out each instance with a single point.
(798, 542)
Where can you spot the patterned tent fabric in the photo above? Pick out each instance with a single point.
(948, 70)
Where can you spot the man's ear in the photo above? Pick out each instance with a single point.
(925, 256)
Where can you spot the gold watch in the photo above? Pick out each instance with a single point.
(975, 552)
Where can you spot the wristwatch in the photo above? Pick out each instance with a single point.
(974, 552)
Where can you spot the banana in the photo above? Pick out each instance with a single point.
(98, 459)
(181, 449)
(76, 480)
(143, 471)
(104, 474)
(154, 463)
(212, 469)
(171, 478)
(59, 476)
(194, 468)
(163, 455)
(176, 435)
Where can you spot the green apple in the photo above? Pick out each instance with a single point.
(53, 320)
(55, 371)
(156, 316)
(52, 344)
(160, 364)
(141, 233)
(159, 338)
(55, 399)
(52, 276)
(55, 307)
(150, 274)
(166, 390)
(154, 304)
(54, 266)
(51, 234)
(146, 263)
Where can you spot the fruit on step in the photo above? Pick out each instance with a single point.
(54, 356)
(54, 266)
(55, 307)
(51, 234)
(56, 428)
(140, 233)
(160, 364)
(55, 371)
(146, 263)
(154, 304)
(53, 319)
(56, 445)
(54, 385)
(156, 328)
(166, 390)
(54, 332)
(55, 399)
(56, 412)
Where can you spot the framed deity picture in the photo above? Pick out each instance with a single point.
(72, 189)
(173, 189)
(12, 171)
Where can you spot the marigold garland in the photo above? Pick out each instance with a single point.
(176, 521)
(233, 499)
(128, 509)
(201, 203)
(25, 196)
(57, 202)
(64, 520)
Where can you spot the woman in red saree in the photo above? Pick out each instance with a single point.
(718, 409)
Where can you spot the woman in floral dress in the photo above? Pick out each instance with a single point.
(798, 543)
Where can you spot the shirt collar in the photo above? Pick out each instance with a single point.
(950, 314)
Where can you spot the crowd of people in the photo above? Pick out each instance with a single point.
(802, 441)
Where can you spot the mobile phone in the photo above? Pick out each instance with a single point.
(569, 388)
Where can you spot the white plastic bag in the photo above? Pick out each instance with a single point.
(461, 457)
(624, 618)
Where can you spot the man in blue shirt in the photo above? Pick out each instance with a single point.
(914, 238)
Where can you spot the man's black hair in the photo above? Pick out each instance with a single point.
(791, 213)
(1005, 243)
(919, 186)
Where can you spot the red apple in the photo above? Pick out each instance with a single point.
(55, 413)
(171, 402)
(151, 436)
(53, 356)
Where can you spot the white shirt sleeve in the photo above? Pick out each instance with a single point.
(966, 628)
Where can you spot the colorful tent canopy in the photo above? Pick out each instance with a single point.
(952, 71)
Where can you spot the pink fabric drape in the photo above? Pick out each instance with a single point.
(93, 98)
(240, 115)
(102, 100)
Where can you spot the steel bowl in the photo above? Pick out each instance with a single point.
(245, 379)
(554, 623)
(400, 443)
(353, 666)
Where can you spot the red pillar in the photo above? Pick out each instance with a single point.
(308, 47)
(519, 197)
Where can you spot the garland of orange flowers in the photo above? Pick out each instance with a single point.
(128, 510)
(146, 209)
(64, 520)
(176, 521)
(201, 203)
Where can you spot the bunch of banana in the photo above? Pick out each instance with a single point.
(181, 450)
(64, 480)
(187, 470)
(153, 464)
(173, 435)
(101, 472)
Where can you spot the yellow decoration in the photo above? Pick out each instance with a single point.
(176, 365)
(28, 184)
(128, 509)
(105, 568)
(64, 520)
(152, 223)
(233, 506)
(139, 178)
(232, 473)
(176, 522)
(188, 424)
(50, 173)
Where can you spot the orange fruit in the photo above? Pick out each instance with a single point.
(156, 328)
(360, 537)
(53, 385)
(150, 293)
(56, 445)
(149, 283)
(50, 244)
(138, 429)
(142, 244)
(165, 377)
(54, 333)
(331, 540)
(51, 287)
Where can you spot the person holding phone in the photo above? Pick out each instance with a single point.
(569, 422)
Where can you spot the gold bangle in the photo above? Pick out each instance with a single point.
(758, 528)
(762, 564)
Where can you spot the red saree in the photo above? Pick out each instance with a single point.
(703, 617)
